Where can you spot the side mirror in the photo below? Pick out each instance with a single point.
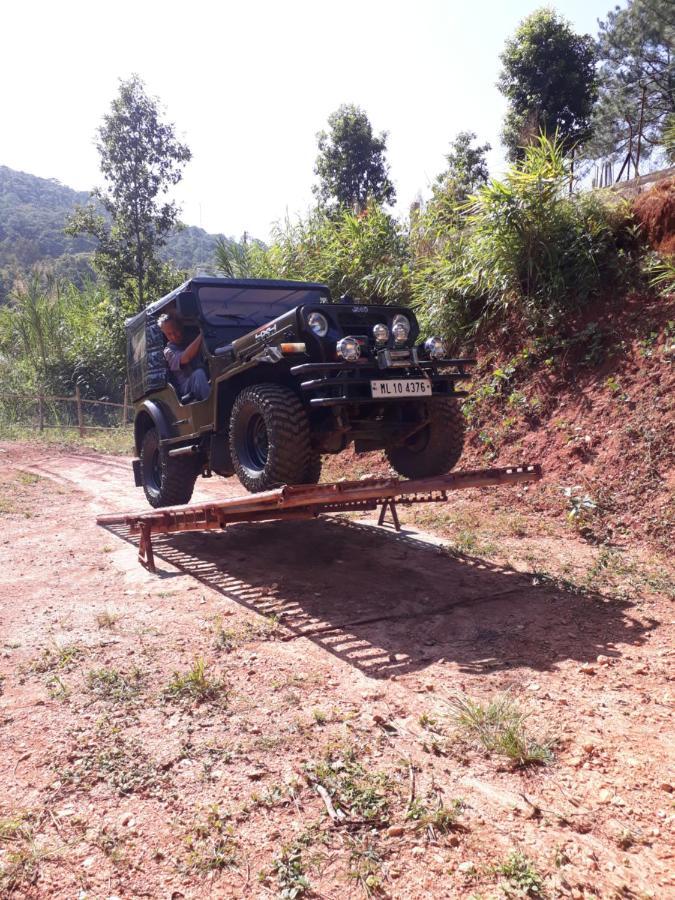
(187, 306)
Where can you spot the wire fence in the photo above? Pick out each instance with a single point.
(42, 412)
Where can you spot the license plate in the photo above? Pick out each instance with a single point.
(401, 387)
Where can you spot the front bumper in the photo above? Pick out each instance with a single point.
(341, 383)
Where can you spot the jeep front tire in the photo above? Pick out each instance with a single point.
(435, 448)
(269, 438)
(167, 480)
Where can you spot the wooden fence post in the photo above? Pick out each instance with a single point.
(125, 404)
(78, 400)
(41, 413)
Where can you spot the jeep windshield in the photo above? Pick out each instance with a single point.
(221, 304)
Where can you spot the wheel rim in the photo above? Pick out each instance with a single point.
(152, 466)
(256, 442)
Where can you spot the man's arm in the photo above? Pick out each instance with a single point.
(191, 350)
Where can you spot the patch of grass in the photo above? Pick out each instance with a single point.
(62, 658)
(437, 820)
(228, 639)
(57, 688)
(522, 878)
(319, 716)
(28, 478)
(20, 856)
(110, 440)
(195, 686)
(466, 541)
(113, 685)
(211, 845)
(499, 727)
(276, 795)
(429, 723)
(107, 619)
(109, 757)
(365, 866)
(290, 871)
(355, 792)
(111, 843)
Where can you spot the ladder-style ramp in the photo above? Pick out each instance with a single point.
(305, 501)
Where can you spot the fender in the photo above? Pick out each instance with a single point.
(153, 411)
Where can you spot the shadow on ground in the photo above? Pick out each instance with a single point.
(390, 604)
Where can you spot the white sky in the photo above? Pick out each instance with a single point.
(248, 85)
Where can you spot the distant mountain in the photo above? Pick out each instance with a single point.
(33, 213)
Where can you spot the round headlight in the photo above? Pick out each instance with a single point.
(348, 348)
(400, 329)
(318, 323)
(435, 347)
(380, 333)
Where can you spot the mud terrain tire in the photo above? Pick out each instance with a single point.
(269, 438)
(436, 448)
(167, 480)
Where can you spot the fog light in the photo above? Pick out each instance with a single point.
(380, 333)
(400, 329)
(435, 348)
(348, 348)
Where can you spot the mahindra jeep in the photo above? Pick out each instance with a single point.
(293, 376)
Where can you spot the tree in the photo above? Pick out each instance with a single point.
(447, 210)
(548, 77)
(637, 81)
(351, 164)
(141, 159)
(467, 167)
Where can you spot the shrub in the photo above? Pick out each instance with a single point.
(364, 254)
(527, 250)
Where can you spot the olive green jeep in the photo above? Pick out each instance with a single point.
(293, 375)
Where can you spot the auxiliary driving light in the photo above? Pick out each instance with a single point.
(380, 333)
(435, 347)
(348, 348)
(400, 329)
(318, 323)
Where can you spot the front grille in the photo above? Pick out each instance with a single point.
(360, 325)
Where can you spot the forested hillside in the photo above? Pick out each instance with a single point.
(33, 212)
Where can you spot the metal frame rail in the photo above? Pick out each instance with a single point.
(306, 501)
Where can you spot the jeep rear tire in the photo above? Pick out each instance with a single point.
(435, 448)
(269, 438)
(167, 480)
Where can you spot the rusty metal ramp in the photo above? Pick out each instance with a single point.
(308, 501)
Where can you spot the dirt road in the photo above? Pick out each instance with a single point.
(277, 710)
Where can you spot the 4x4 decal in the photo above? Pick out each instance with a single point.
(266, 332)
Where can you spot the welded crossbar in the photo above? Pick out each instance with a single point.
(304, 501)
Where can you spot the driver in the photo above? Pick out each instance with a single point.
(190, 377)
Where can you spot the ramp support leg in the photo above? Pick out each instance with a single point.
(146, 557)
(391, 505)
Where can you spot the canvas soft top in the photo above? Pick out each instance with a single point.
(153, 309)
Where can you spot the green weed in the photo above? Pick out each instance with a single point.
(211, 843)
(365, 866)
(354, 792)
(113, 685)
(499, 727)
(62, 658)
(195, 686)
(290, 872)
(522, 878)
